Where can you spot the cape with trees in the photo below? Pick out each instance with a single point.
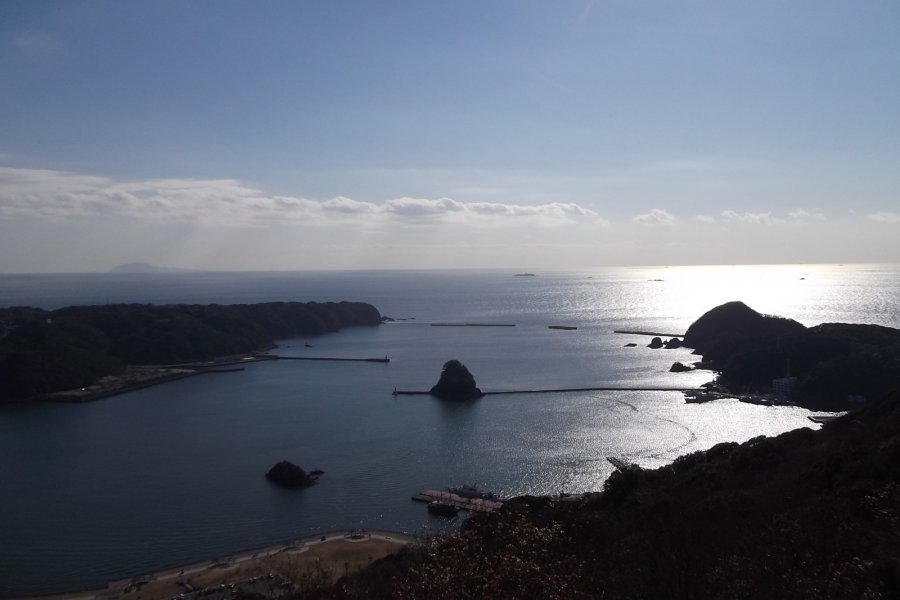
(45, 351)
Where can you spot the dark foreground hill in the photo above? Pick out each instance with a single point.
(44, 351)
(802, 515)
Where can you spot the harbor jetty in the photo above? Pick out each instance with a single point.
(622, 465)
(329, 358)
(650, 333)
(824, 419)
(473, 324)
(561, 390)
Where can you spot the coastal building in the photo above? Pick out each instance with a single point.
(784, 386)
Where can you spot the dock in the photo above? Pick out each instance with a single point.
(471, 504)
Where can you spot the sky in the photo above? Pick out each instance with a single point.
(280, 135)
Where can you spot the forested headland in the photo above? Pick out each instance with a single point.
(45, 351)
(831, 362)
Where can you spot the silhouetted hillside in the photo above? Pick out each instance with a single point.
(832, 361)
(802, 515)
(44, 351)
(729, 327)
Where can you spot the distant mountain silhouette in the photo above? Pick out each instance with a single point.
(142, 267)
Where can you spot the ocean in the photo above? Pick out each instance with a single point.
(173, 474)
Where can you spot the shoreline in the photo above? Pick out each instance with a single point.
(137, 377)
(228, 566)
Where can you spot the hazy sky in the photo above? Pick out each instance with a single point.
(522, 134)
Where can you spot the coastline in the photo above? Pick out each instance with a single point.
(137, 377)
(283, 560)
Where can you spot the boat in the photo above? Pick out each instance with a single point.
(442, 509)
(563, 327)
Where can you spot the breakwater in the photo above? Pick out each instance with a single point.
(562, 390)
(473, 324)
(653, 333)
(329, 358)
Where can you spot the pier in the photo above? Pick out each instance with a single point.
(472, 504)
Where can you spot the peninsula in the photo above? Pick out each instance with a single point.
(42, 352)
(831, 366)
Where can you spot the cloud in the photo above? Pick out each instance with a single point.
(344, 205)
(704, 219)
(730, 216)
(803, 215)
(884, 217)
(423, 207)
(39, 193)
(656, 216)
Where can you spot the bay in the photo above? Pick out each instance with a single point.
(174, 473)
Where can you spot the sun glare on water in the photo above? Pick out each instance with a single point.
(792, 291)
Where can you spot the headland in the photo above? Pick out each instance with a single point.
(99, 350)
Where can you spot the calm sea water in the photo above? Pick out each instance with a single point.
(174, 473)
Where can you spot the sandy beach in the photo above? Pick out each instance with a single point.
(267, 571)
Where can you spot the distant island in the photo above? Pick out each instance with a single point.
(142, 267)
(42, 352)
(829, 366)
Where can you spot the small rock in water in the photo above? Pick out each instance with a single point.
(289, 475)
